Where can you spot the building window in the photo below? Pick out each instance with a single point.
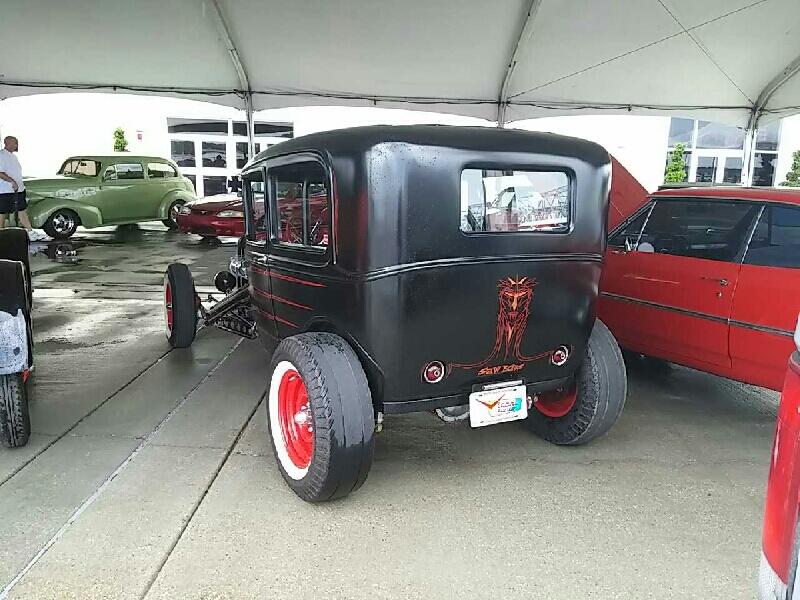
(767, 136)
(681, 131)
(182, 152)
(215, 185)
(204, 126)
(214, 155)
(717, 135)
(764, 168)
(241, 154)
(733, 170)
(282, 130)
(706, 169)
(714, 151)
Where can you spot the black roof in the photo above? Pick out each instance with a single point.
(487, 139)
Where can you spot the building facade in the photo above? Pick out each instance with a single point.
(209, 142)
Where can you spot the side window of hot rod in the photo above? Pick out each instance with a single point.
(300, 201)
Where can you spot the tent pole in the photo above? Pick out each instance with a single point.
(748, 156)
(251, 134)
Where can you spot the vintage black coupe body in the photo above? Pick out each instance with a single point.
(423, 268)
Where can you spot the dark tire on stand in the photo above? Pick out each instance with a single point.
(171, 222)
(320, 416)
(180, 306)
(61, 224)
(590, 407)
(14, 246)
(15, 422)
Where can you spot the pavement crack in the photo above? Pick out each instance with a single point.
(122, 466)
(200, 500)
(67, 432)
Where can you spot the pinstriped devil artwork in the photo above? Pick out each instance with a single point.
(515, 295)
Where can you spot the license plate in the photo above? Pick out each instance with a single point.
(500, 405)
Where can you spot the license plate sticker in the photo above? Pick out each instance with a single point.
(489, 407)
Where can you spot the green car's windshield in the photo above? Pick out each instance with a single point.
(80, 167)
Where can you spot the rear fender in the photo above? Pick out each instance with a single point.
(373, 371)
(170, 197)
(40, 210)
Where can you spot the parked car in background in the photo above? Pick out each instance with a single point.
(94, 191)
(213, 216)
(708, 278)
(777, 579)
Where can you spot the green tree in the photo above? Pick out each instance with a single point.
(793, 176)
(120, 143)
(676, 172)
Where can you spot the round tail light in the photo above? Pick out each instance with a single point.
(433, 372)
(560, 356)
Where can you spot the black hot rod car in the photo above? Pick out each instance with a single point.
(423, 268)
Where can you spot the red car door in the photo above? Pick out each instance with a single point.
(767, 299)
(674, 290)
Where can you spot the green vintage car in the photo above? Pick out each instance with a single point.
(95, 191)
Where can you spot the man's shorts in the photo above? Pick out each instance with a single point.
(13, 201)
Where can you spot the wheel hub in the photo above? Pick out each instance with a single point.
(557, 403)
(296, 419)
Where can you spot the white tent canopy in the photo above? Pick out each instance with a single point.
(725, 60)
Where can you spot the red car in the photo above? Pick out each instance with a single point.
(221, 215)
(708, 278)
(777, 577)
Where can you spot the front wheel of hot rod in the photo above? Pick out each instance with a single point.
(592, 404)
(180, 306)
(320, 416)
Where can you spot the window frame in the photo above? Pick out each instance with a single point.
(114, 165)
(174, 174)
(311, 255)
(250, 231)
(748, 234)
(483, 166)
(647, 207)
(767, 206)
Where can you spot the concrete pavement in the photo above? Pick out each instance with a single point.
(150, 474)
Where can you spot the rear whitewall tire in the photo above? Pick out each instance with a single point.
(282, 454)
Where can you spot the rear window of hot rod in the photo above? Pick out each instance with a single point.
(494, 200)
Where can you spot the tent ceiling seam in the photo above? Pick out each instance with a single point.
(704, 50)
(639, 49)
(523, 37)
(374, 99)
(230, 46)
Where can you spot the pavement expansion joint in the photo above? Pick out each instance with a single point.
(200, 500)
(92, 498)
(70, 429)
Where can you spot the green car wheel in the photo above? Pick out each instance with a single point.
(61, 224)
(171, 221)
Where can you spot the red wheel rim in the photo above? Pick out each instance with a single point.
(294, 414)
(557, 403)
(168, 304)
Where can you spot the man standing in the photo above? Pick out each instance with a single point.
(12, 190)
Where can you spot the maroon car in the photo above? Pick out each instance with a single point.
(221, 215)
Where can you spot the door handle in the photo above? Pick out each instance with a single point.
(722, 282)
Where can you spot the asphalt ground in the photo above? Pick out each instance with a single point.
(150, 472)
